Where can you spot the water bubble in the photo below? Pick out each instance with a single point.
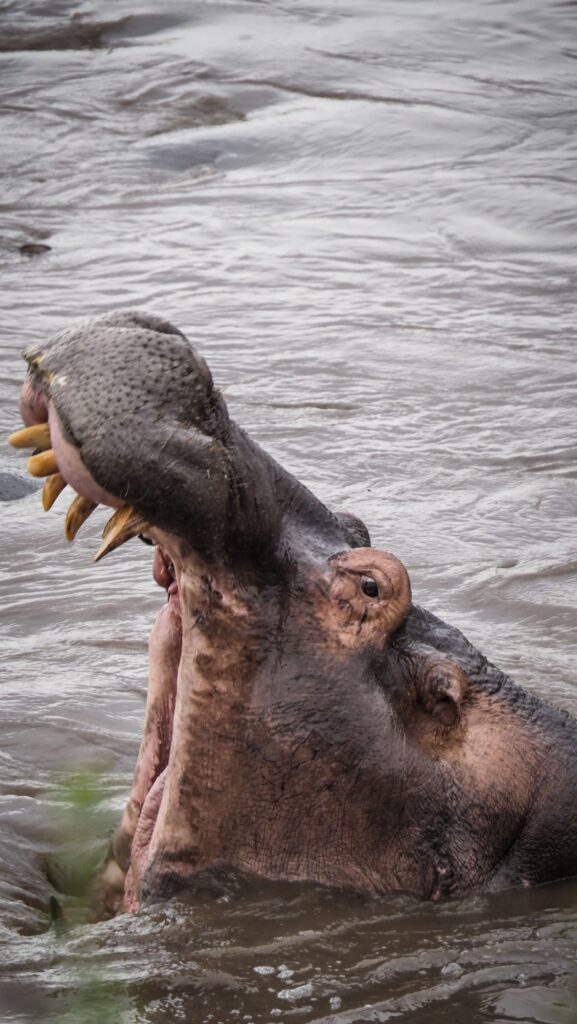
(294, 995)
(285, 972)
(452, 970)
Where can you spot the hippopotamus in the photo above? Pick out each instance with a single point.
(305, 719)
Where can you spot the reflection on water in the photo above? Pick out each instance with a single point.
(364, 215)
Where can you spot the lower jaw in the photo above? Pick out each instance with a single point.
(164, 659)
(141, 843)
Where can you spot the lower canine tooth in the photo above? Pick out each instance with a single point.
(77, 514)
(44, 464)
(37, 436)
(124, 524)
(53, 486)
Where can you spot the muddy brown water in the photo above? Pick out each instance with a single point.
(365, 215)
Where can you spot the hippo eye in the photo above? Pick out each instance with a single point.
(369, 586)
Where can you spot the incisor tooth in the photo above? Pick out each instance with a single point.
(77, 514)
(37, 436)
(43, 465)
(53, 486)
(124, 524)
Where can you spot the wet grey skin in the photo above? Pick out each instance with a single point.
(323, 727)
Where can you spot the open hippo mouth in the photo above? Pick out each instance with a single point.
(304, 720)
(124, 410)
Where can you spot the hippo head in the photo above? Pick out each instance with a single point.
(304, 720)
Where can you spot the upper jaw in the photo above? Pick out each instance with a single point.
(136, 423)
(135, 420)
(132, 421)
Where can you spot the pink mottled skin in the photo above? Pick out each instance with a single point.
(131, 839)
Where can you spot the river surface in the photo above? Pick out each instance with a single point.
(365, 215)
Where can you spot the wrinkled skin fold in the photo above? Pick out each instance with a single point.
(305, 720)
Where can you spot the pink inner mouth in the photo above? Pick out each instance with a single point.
(165, 648)
(164, 574)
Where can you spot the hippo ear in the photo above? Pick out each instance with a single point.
(356, 531)
(442, 687)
